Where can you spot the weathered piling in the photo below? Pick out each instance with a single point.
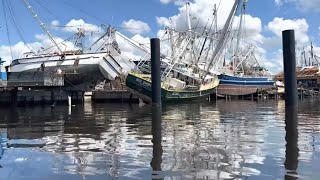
(291, 103)
(155, 71)
(289, 62)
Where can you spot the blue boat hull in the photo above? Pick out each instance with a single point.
(232, 85)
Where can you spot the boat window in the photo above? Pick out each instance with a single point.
(14, 62)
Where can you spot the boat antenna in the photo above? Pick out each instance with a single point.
(41, 24)
(305, 59)
(188, 16)
(311, 52)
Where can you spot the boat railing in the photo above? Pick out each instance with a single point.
(72, 52)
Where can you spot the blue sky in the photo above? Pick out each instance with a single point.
(266, 20)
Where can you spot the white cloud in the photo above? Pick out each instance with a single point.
(201, 11)
(74, 25)
(131, 51)
(135, 26)
(165, 1)
(274, 61)
(141, 39)
(47, 43)
(177, 2)
(163, 21)
(55, 23)
(43, 42)
(309, 4)
(278, 2)
(301, 4)
(277, 25)
(17, 50)
(281, 2)
(252, 29)
(273, 44)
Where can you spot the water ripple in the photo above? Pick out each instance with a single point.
(223, 140)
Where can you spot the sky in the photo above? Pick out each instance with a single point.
(143, 19)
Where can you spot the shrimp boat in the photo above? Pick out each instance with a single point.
(187, 75)
(80, 68)
(244, 74)
(173, 89)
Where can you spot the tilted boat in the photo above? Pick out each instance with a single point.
(140, 84)
(78, 68)
(189, 68)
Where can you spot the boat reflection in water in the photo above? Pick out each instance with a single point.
(227, 140)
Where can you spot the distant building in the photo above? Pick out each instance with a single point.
(307, 77)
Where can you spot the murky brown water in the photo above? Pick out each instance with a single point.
(224, 140)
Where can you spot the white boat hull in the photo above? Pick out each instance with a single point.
(84, 69)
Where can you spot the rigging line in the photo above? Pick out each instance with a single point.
(50, 12)
(83, 11)
(12, 15)
(58, 43)
(7, 28)
(219, 5)
(122, 27)
(29, 7)
(45, 8)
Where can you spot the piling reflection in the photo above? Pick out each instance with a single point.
(292, 150)
(156, 142)
(3, 137)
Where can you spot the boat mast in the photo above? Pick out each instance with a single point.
(170, 32)
(41, 24)
(221, 41)
(236, 59)
(305, 59)
(215, 13)
(207, 32)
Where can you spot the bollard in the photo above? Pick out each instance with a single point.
(155, 71)
(289, 63)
